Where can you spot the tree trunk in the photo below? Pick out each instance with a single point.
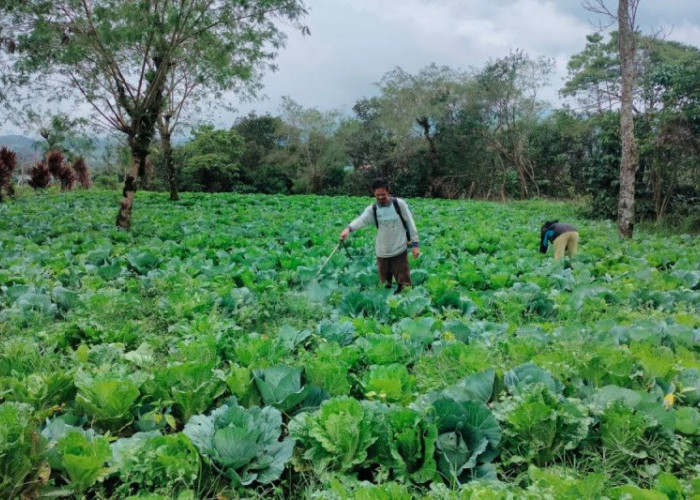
(628, 162)
(433, 156)
(167, 146)
(128, 193)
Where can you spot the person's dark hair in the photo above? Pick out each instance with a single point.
(380, 183)
(549, 223)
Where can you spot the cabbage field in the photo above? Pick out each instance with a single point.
(200, 355)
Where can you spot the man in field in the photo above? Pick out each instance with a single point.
(564, 236)
(396, 231)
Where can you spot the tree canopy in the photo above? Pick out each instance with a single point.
(119, 57)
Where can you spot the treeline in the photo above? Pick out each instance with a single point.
(479, 134)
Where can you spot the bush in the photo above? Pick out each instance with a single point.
(81, 169)
(211, 173)
(60, 170)
(271, 179)
(39, 176)
(8, 163)
(106, 181)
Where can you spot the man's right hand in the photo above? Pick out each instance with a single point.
(344, 233)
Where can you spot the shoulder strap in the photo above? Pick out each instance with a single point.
(395, 201)
(374, 211)
(398, 211)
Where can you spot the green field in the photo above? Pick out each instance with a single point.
(197, 356)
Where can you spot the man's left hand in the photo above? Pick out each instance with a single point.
(415, 251)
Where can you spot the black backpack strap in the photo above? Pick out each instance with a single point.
(374, 211)
(395, 201)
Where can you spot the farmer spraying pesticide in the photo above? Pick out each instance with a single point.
(396, 232)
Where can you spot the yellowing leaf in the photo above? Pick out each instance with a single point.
(669, 400)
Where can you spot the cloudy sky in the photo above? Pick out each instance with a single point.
(353, 43)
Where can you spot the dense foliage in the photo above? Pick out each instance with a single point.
(198, 356)
(137, 64)
(479, 134)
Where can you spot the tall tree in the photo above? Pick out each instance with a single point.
(509, 89)
(594, 75)
(309, 132)
(415, 105)
(665, 106)
(117, 56)
(626, 14)
(628, 163)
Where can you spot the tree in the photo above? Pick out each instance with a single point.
(117, 56)
(60, 132)
(308, 132)
(509, 92)
(628, 163)
(626, 13)
(9, 79)
(370, 145)
(594, 75)
(670, 146)
(665, 105)
(263, 164)
(211, 160)
(415, 105)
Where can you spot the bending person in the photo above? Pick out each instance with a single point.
(564, 236)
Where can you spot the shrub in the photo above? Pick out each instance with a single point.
(81, 170)
(39, 176)
(60, 171)
(8, 163)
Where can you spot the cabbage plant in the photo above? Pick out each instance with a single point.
(17, 446)
(338, 436)
(244, 444)
(468, 440)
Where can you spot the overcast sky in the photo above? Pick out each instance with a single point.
(353, 43)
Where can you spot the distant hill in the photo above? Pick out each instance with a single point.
(23, 146)
(25, 149)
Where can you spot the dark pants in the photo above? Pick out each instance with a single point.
(396, 268)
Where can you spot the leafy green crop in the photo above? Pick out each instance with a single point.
(280, 386)
(391, 383)
(575, 378)
(413, 439)
(108, 398)
(243, 444)
(191, 387)
(163, 464)
(539, 427)
(17, 447)
(468, 440)
(337, 436)
(83, 458)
